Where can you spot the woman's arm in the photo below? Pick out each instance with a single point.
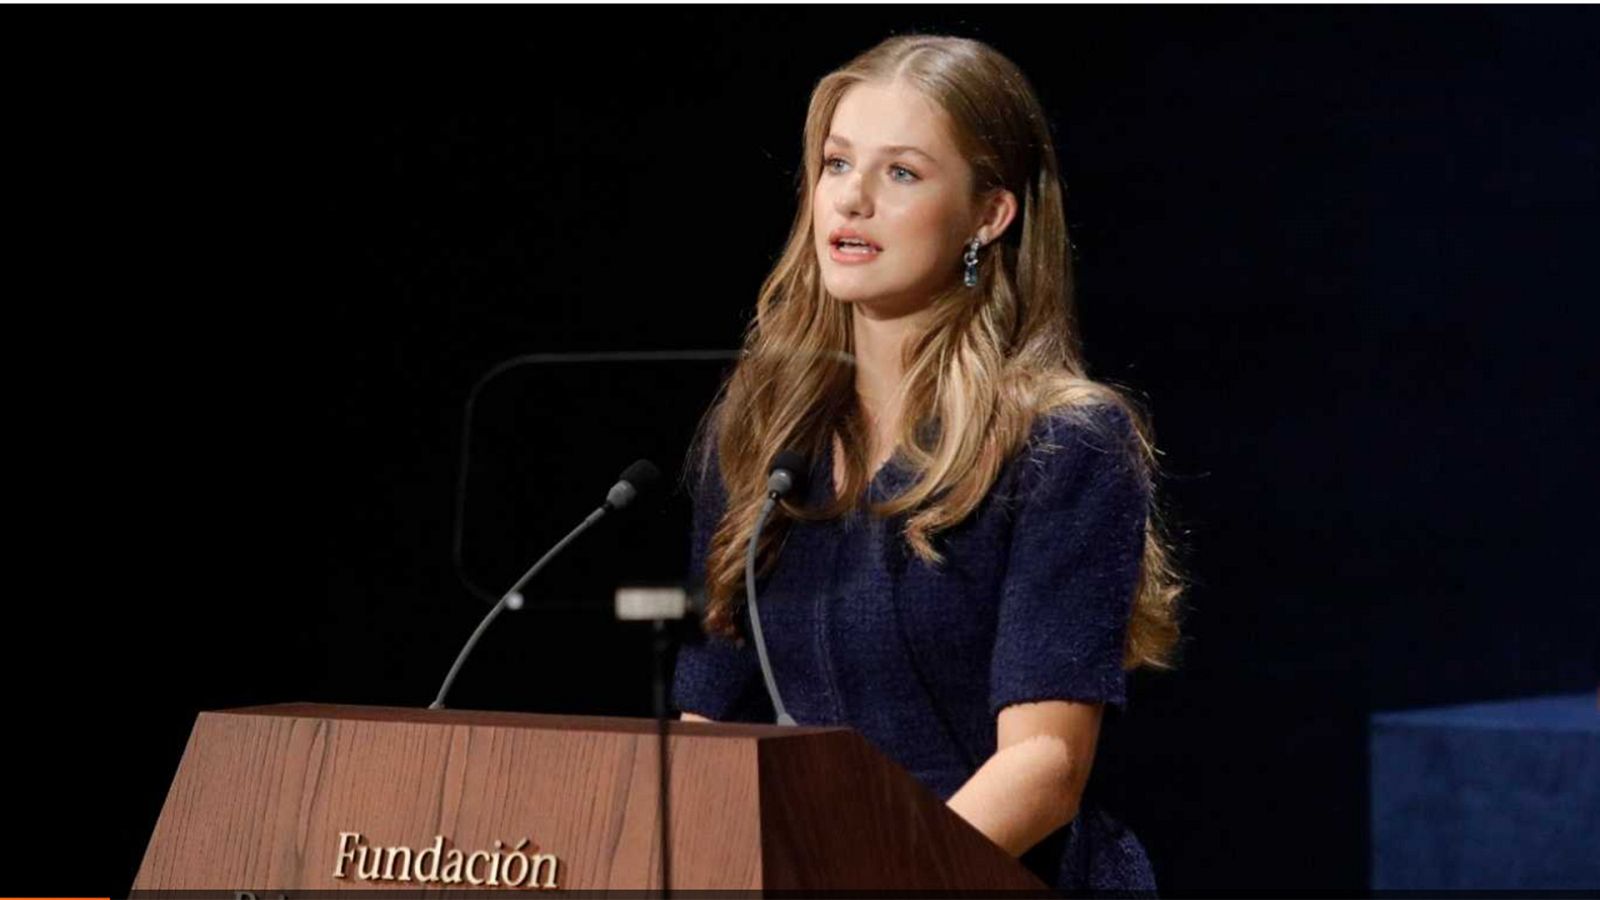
(1033, 783)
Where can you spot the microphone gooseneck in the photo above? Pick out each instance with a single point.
(786, 473)
(634, 479)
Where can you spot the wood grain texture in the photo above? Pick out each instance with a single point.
(262, 794)
(836, 814)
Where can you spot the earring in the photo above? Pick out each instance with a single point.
(971, 260)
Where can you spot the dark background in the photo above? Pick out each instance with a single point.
(1345, 253)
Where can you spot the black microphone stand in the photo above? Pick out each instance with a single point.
(671, 617)
(660, 646)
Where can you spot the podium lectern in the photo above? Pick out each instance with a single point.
(314, 797)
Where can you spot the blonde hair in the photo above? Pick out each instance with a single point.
(990, 362)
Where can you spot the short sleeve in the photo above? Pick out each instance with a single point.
(1073, 565)
(716, 678)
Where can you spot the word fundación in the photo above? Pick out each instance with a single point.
(501, 868)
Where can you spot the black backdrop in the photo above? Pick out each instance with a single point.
(1345, 253)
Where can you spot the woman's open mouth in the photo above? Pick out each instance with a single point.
(853, 250)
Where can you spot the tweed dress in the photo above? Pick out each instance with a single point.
(1031, 603)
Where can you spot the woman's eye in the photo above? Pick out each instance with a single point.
(828, 166)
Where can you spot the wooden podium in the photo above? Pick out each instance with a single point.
(308, 797)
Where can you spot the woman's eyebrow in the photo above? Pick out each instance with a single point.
(898, 148)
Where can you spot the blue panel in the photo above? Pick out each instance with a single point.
(1487, 796)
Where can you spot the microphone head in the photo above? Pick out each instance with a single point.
(787, 472)
(634, 480)
(641, 474)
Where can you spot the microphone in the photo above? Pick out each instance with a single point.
(785, 475)
(630, 484)
(635, 478)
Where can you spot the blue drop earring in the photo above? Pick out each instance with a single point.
(971, 259)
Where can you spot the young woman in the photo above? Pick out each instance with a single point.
(976, 560)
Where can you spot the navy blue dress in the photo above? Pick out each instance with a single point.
(1032, 603)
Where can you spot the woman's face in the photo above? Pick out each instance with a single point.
(892, 176)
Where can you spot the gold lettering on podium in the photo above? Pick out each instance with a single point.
(509, 868)
(390, 855)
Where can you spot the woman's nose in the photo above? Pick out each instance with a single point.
(852, 195)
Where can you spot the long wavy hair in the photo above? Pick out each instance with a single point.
(992, 359)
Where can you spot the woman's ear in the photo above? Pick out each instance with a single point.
(998, 209)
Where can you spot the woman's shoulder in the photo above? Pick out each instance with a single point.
(1095, 428)
(1084, 420)
(1094, 441)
